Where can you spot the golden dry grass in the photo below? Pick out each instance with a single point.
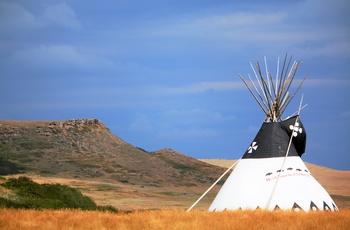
(172, 219)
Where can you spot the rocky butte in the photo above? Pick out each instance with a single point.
(85, 148)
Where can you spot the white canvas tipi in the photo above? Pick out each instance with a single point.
(271, 174)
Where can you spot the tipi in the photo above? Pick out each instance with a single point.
(271, 174)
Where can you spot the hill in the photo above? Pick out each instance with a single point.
(84, 154)
(85, 148)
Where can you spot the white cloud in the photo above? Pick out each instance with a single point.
(236, 26)
(15, 16)
(161, 90)
(54, 57)
(62, 15)
(331, 49)
(327, 82)
(268, 30)
(236, 20)
(202, 87)
(193, 116)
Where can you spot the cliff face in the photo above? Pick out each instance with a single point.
(85, 148)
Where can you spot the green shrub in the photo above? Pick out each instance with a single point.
(48, 196)
(5, 203)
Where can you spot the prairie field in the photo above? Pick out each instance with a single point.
(172, 219)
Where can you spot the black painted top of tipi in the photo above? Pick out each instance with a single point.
(273, 138)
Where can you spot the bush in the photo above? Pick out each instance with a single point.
(48, 196)
(5, 203)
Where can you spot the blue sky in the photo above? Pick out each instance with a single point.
(163, 74)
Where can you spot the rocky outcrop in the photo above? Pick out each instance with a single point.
(12, 131)
(75, 124)
(49, 128)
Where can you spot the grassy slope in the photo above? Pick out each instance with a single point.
(74, 149)
(103, 166)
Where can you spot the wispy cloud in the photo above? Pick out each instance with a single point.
(233, 21)
(14, 16)
(235, 26)
(314, 82)
(51, 58)
(275, 28)
(217, 86)
(341, 48)
(193, 116)
(166, 74)
(159, 90)
(61, 14)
